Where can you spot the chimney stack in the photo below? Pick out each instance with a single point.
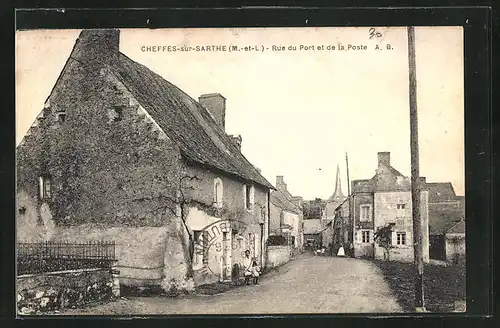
(99, 46)
(384, 158)
(215, 103)
(237, 141)
(280, 183)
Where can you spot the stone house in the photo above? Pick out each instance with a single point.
(286, 215)
(118, 153)
(446, 210)
(384, 199)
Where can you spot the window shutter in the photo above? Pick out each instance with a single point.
(394, 238)
(371, 236)
(358, 237)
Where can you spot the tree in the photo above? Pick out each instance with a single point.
(383, 237)
(173, 200)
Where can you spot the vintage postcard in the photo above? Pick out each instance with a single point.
(240, 171)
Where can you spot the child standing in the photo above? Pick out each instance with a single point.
(255, 272)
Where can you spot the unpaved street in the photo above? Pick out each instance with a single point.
(308, 284)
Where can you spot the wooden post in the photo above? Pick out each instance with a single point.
(415, 177)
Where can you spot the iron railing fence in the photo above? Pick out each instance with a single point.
(61, 256)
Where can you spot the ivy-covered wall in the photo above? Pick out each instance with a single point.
(120, 173)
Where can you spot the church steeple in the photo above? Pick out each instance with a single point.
(338, 187)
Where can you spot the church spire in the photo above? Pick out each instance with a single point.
(338, 187)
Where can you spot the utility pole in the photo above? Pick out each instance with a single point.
(351, 216)
(415, 177)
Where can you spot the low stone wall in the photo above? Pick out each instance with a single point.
(277, 255)
(39, 293)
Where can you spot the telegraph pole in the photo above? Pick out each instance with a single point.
(415, 177)
(351, 216)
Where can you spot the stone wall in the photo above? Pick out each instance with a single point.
(147, 256)
(455, 247)
(40, 293)
(100, 170)
(277, 255)
(386, 211)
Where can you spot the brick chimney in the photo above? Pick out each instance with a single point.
(237, 141)
(280, 183)
(384, 158)
(97, 47)
(215, 103)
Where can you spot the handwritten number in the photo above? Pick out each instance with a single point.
(374, 33)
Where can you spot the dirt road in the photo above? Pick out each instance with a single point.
(308, 284)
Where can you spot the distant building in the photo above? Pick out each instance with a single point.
(446, 222)
(286, 214)
(343, 233)
(329, 211)
(313, 233)
(376, 202)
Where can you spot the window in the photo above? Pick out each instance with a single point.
(400, 209)
(117, 113)
(61, 117)
(249, 196)
(365, 236)
(401, 238)
(218, 192)
(44, 185)
(365, 212)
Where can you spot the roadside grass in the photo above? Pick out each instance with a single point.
(443, 285)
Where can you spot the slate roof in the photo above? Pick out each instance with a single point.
(312, 226)
(457, 228)
(441, 220)
(441, 192)
(185, 121)
(280, 200)
(362, 185)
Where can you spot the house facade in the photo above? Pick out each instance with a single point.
(384, 199)
(118, 153)
(286, 215)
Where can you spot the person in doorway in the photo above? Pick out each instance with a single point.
(247, 264)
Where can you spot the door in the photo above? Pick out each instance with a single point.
(226, 253)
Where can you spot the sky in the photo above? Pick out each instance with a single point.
(298, 112)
